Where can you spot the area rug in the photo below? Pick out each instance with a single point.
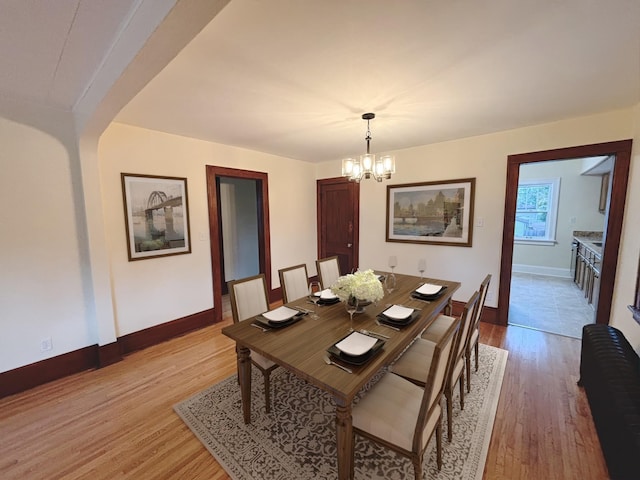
(297, 439)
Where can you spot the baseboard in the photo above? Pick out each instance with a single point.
(30, 376)
(109, 354)
(165, 331)
(489, 314)
(94, 356)
(541, 270)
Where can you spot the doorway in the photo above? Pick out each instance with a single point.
(557, 201)
(612, 230)
(238, 200)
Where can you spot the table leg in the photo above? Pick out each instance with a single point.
(449, 307)
(344, 438)
(244, 376)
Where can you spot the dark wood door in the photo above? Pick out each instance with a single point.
(338, 221)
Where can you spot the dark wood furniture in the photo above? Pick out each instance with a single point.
(300, 348)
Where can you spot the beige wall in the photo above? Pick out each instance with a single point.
(153, 291)
(629, 247)
(485, 158)
(49, 291)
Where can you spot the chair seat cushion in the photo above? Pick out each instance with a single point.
(439, 326)
(390, 411)
(415, 363)
(474, 337)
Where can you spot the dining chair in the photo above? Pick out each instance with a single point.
(403, 416)
(474, 329)
(409, 364)
(294, 282)
(328, 271)
(248, 299)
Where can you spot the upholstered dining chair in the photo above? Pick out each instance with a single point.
(474, 329)
(409, 364)
(402, 416)
(294, 282)
(248, 299)
(328, 271)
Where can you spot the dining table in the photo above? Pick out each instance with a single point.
(301, 348)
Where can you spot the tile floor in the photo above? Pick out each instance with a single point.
(550, 304)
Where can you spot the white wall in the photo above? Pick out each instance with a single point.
(43, 286)
(579, 199)
(485, 158)
(153, 291)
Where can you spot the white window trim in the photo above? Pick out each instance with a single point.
(552, 213)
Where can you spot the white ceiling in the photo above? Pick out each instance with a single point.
(293, 77)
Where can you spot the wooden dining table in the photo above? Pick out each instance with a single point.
(302, 346)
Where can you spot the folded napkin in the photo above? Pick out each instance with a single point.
(280, 314)
(356, 344)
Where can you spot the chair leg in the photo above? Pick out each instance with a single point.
(267, 391)
(462, 390)
(439, 442)
(475, 347)
(449, 397)
(467, 361)
(417, 466)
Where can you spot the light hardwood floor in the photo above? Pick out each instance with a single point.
(118, 422)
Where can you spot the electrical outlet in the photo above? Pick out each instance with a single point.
(46, 344)
(479, 222)
(490, 296)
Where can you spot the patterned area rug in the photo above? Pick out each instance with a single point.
(297, 439)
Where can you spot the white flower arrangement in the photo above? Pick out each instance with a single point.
(364, 286)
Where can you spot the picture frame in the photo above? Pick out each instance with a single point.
(156, 215)
(437, 213)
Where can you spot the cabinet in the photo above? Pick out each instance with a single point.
(587, 270)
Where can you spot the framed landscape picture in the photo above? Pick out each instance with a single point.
(156, 215)
(431, 212)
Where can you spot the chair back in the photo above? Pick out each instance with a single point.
(294, 282)
(248, 297)
(328, 271)
(484, 287)
(465, 325)
(434, 387)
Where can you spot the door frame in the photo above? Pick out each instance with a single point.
(215, 234)
(613, 218)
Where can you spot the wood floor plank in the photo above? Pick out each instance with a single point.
(118, 422)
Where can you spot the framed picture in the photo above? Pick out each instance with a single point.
(156, 215)
(438, 213)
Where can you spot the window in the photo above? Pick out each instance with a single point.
(536, 211)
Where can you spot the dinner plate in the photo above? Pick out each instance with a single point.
(429, 289)
(280, 314)
(356, 344)
(327, 294)
(398, 312)
(269, 324)
(398, 323)
(356, 360)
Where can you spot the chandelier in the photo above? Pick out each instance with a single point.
(368, 166)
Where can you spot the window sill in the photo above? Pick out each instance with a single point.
(527, 241)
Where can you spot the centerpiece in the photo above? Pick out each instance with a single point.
(363, 286)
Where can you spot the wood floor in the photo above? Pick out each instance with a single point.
(118, 422)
